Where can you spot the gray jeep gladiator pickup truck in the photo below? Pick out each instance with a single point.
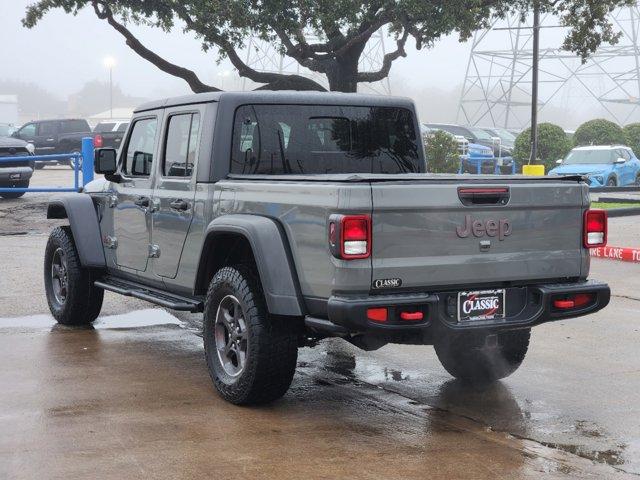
(290, 217)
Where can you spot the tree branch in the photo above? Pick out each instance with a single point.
(388, 60)
(187, 75)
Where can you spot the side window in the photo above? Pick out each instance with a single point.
(122, 128)
(139, 154)
(246, 142)
(181, 148)
(48, 128)
(28, 131)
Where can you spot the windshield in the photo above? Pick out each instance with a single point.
(317, 139)
(590, 157)
(504, 135)
(479, 133)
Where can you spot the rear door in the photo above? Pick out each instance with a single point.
(174, 193)
(437, 234)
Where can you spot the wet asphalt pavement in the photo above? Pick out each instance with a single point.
(131, 398)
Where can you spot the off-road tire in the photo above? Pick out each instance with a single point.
(12, 195)
(271, 342)
(83, 301)
(473, 357)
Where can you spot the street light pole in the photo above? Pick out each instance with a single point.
(534, 82)
(110, 62)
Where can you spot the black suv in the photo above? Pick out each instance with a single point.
(55, 136)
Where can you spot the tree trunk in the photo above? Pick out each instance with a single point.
(343, 71)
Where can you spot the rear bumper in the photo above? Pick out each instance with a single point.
(10, 175)
(526, 307)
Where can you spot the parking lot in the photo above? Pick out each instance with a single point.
(131, 397)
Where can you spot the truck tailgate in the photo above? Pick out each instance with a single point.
(436, 234)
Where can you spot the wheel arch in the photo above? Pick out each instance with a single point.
(260, 240)
(83, 220)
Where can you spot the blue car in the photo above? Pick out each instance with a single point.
(609, 166)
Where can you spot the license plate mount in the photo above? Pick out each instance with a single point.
(481, 305)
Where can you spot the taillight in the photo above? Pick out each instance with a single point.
(350, 236)
(97, 141)
(595, 228)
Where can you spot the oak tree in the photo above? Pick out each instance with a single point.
(342, 29)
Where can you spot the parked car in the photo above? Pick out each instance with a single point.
(109, 134)
(285, 221)
(604, 165)
(475, 135)
(6, 129)
(507, 139)
(54, 137)
(16, 173)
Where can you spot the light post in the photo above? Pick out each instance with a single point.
(110, 62)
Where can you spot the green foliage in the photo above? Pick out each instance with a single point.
(632, 137)
(599, 132)
(441, 150)
(553, 144)
(343, 27)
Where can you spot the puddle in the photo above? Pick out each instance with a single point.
(137, 319)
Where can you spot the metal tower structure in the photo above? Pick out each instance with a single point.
(264, 56)
(497, 86)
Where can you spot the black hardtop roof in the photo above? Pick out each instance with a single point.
(283, 97)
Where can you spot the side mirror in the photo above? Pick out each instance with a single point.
(15, 134)
(559, 161)
(620, 161)
(105, 161)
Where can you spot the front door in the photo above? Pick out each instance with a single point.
(132, 212)
(175, 192)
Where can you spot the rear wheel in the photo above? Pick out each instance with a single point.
(478, 357)
(10, 195)
(72, 298)
(250, 354)
(39, 166)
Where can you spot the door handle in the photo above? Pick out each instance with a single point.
(143, 202)
(179, 205)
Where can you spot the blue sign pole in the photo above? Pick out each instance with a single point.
(87, 160)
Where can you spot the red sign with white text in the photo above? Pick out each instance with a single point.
(617, 253)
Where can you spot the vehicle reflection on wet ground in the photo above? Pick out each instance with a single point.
(131, 398)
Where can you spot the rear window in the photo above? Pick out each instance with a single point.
(74, 126)
(313, 139)
(104, 127)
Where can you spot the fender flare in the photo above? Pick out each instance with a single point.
(83, 220)
(271, 253)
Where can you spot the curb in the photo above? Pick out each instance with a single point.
(623, 212)
(620, 254)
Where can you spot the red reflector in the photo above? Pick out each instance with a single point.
(377, 314)
(575, 301)
(412, 316)
(564, 304)
(583, 299)
(595, 228)
(355, 228)
(97, 141)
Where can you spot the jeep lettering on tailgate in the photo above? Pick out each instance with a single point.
(490, 228)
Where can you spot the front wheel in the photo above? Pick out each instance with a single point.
(10, 195)
(611, 182)
(72, 160)
(72, 298)
(482, 358)
(250, 354)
